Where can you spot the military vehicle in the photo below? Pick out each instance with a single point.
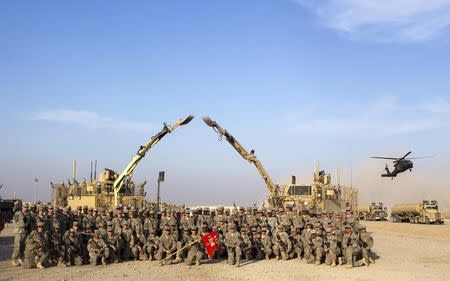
(111, 189)
(7, 209)
(320, 195)
(425, 212)
(372, 212)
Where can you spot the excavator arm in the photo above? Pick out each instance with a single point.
(250, 157)
(128, 171)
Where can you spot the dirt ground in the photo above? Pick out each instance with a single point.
(404, 252)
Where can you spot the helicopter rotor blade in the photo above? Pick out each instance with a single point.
(379, 157)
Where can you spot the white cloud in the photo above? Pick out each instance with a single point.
(384, 20)
(383, 117)
(90, 120)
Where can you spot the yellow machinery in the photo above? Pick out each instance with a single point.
(320, 195)
(111, 189)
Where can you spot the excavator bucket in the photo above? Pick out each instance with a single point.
(187, 120)
(208, 121)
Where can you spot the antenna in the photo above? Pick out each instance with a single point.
(74, 169)
(91, 170)
(95, 170)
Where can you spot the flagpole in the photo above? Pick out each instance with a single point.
(35, 189)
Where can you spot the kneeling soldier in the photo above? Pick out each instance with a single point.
(97, 249)
(36, 248)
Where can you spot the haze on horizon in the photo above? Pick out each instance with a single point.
(297, 81)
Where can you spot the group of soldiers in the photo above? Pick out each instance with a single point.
(47, 236)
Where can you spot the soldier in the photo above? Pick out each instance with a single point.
(272, 221)
(89, 218)
(186, 221)
(350, 246)
(233, 243)
(251, 219)
(205, 218)
(331, 248)
(266, 243)
(113, 242)
(72, 244)
(135, 220)
(98, 249)
(127, 237)
(317, 244)
(167, 246)
(297, 243)
(20, 234)
(57, 250)
(247, 244)
(117, 222)
(152, 245)
(219, 216)
(181, 243)
(42, 217)
(78, 216)
(367, 244)
(195, 249)
(138, 249)
(36, 248)
(282, 244)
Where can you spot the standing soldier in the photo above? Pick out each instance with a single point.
(89, 219)
(113, 242)
(266, 242)
(272, 221)
(233, 243)
(128, 241)
(138, 248)
(167, 246)
(317, 244)
(331, 248)
(20, 234)
(36, 248)
(186, 221)
(367, 244)
(150, 223)
(194, 250)
(282, 244)
(135, 220)
(247, 244)
(117, 222)
(97, 249)
(297, 243)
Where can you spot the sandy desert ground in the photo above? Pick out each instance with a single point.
(404, 252)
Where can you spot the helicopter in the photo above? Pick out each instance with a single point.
(401, 164)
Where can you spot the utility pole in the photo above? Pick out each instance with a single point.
(160, 180)
(35, 189)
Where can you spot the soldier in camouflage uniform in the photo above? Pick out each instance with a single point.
(57, 249)
(138, 249)
(36, 248)
(20, 234)
(98, 249)
(113, 242)
(152, 245)
(331, 248)
(233, 244)
(195, 251)
(150, 223)
(272, 221)
(127, 238)
(282, 245)
(297, 243)
(350, 246)
(367, 245)
(266, 242)
(89, 219)
(72, 245)
(247, 244)
(181, 243)
(167, 246)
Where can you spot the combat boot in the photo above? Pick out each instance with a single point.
(333, 262)
(349, 266)
(39, 265)
(197, 263)
(317, 263)
(15, 263)
(238, 263)
(366, 261)
(340, 261)
(267, 257)
(104, 261)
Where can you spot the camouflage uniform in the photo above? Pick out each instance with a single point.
(367, 245)
(282, 244)
(152, 245)
(138, 249)
(127, 237)
(233, 243)
(183, 241)
(331, 248)
(72, 245)
(350, 246)
(36, 248)
(194, 250)
(247, 244)
(167, 246)
(113, 242)
(98, 249)
(20, 235)
(266, 243)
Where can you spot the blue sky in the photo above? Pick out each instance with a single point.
(297, 81)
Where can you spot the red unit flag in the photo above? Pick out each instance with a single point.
(211, 242)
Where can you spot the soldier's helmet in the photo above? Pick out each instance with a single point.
(244, 230)
(254, 229)
(26, 205)
(79, 207)
(125, 223)
(138, 227)
(41, 208)
(85, 207)
(109, 223)
(280, 227)
(232, 226)
(220, 208)
(91, 209)
(40, 223)
(194, 228)
(186, 229)
(206, 209)
(95, 210)
(75, 223)
(362, 227)
(109, 229)
(313, 232)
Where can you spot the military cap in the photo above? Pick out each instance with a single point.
(232, 226)
(348, 209)
(79, 207)
(330, 212)
(152, 211)
(328, 230)
(309, 223)
(348, 226)
(280, 226)
(102, 209)
(141, 210)
(241, 208)
(138, 227)
(254, 229)
(206, 209)
(152, 232)
(41, 208)
(125, 211)
(194, 228)
(186, 229)
(280, 210)
(109, 223)
(167, 229)
(85, 207)
(186, 211)
(118, 208)
(97, 232)
(32, 205)
(91, 209)
(125, 222)
(313, 232)
(109, 229)
(243, 229)
(26, 205)
(75, 223)
(40, 223)
(362, 227)
(95, 210)
(220, 208)
(133, 209)
(317, 225)
(56, 225)
(50, 207)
